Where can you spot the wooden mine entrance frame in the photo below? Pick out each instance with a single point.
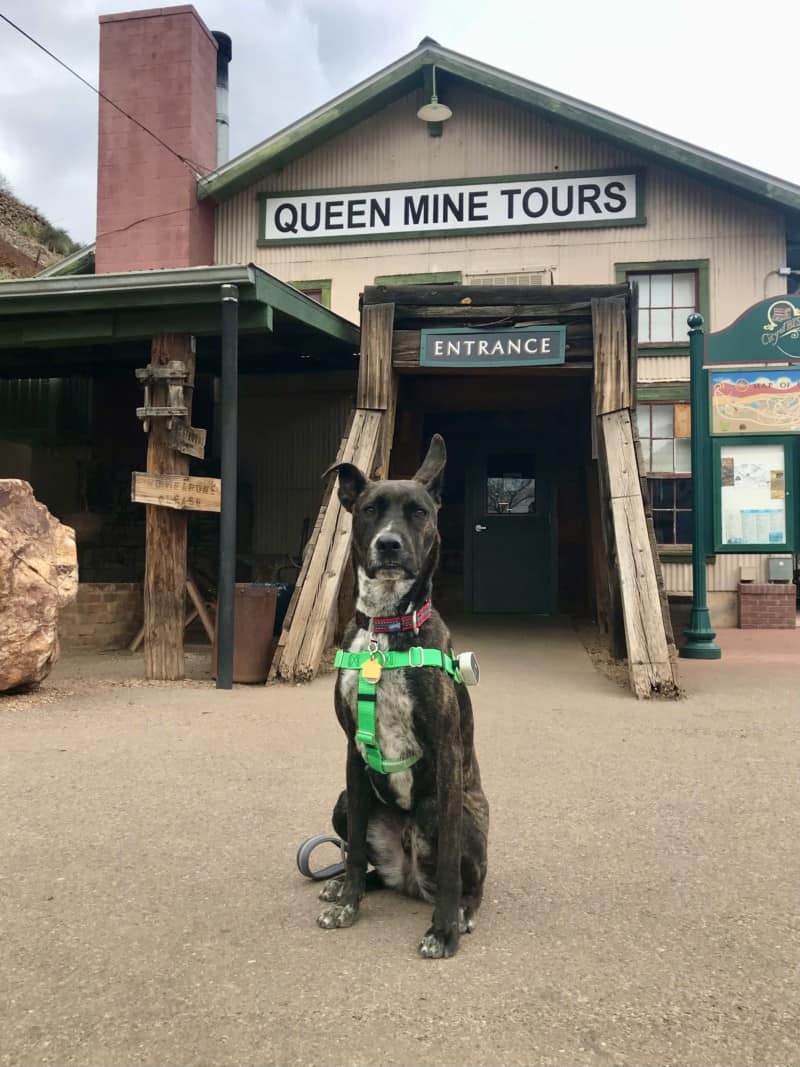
(630, 599)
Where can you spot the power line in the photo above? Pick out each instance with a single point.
(193, 166)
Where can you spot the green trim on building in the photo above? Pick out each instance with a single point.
(621, 271)
(409, 72)
(324, 286)
(139, 304)
(675, 553)
(441, 277)
(676, 392)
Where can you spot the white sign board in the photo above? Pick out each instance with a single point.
(753, 490)
(555, 201)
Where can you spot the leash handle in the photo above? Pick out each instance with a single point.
(304, 858)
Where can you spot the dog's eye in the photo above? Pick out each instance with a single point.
(420, 513)
(369, 509)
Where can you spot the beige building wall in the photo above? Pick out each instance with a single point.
(686, 218)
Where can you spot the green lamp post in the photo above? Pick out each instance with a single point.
(699, 635)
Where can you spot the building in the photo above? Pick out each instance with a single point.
(519, 187)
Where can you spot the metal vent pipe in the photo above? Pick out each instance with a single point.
(224, 53)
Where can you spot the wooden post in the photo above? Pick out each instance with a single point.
(651, 668)
(165, 553)
(308, 555)
(315, 609)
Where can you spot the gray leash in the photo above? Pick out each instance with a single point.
(304, 858)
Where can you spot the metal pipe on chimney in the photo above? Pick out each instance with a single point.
(224, 53)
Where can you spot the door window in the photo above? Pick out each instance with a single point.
(510, 484)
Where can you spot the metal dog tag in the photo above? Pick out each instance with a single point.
(371, 671)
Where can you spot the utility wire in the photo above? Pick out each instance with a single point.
(196, 169)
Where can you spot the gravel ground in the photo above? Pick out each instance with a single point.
(641, 907)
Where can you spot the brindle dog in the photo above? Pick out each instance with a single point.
(424, 829)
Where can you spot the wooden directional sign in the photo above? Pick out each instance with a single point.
(178, 491)
(188, 439)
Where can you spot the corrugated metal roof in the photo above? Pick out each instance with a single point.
(406, 73)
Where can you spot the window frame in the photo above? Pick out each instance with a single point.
(671, 266)
(322, 284)
(442, 277)
(661, 396)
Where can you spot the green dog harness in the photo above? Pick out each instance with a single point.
(367, 693)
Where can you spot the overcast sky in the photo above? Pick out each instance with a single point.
(698, 70)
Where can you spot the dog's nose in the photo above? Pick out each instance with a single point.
(389, 544)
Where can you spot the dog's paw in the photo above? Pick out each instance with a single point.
(337, 916)
(332, 890)
(436, 946)
(466, 921)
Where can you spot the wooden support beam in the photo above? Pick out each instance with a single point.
(200, 608)
(651, 533)
(548, 313)
(375, 365)
(314, 616)
(633, 565)
(165, 558)
(612, 382)
(651, 667)
(311, 623)
(599, 552)
(488, 295)
(308, 555)
(136, 642)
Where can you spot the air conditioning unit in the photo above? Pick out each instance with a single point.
(779, 569)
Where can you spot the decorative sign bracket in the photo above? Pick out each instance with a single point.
(174, 376)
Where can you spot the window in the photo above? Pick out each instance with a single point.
(510, 485)
(664, 432)
(672, 510)
(666, 299)
(669, 291)
(318, 289)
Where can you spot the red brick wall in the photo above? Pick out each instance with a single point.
(767, 607)
(160, 66)
(104, 615)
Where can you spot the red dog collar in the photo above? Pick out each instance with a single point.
(394, 624)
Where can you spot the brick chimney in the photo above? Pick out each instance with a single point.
(160, 67)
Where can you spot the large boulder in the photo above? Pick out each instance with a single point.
(38, 575)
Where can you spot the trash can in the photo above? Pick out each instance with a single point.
(284, 591)
(253, 624)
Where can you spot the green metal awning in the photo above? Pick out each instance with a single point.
(48, 325)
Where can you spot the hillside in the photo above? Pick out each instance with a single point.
(28, 242)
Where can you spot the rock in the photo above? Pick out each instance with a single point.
(38, 576)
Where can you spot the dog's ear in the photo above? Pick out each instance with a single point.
(431, 473)
(351, 483)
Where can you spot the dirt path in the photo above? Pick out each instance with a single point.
(641, 905)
